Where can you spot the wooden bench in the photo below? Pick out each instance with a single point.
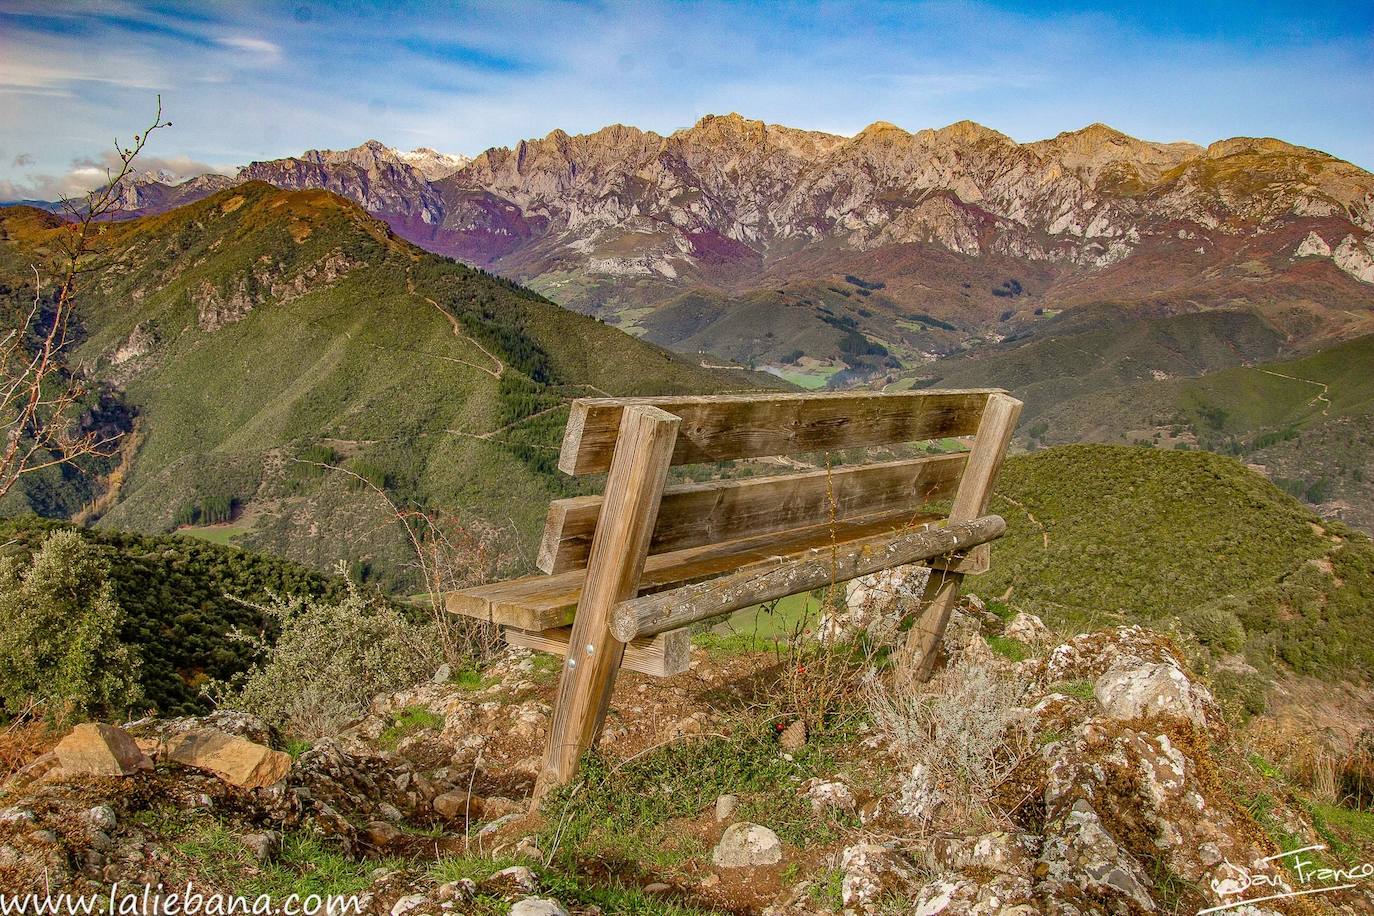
(626, 574)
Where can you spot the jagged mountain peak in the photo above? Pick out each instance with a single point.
(1259, 146)
(880, 129)
(967, 132)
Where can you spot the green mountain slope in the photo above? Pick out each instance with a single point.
(1094, 348)
(258, 326)
(1309, 422)
(1113, 535)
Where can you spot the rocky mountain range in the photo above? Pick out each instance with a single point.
(875, 253)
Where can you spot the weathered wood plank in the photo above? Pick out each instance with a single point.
(545, 602)
(633, 492)
(703, 513)
(971, 501)
(727, 427)
(819, 566)
(657, 656)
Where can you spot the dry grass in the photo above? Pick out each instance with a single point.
(1313, 758)
(23, 740)
(961, 728)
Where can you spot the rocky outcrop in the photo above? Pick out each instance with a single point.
(1108, 800)
(279, 282)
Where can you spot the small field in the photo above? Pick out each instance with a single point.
(810, 378)
(227, 534)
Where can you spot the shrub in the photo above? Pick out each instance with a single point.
(329, 660)
(1216, 625)
(59, 626)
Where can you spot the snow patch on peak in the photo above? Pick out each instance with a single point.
(431, 163)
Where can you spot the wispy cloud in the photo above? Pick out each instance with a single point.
(251, 45)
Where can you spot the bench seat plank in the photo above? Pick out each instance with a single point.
(544, 602)
(722, 510)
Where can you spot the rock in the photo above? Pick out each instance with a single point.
(493, 827)
(406, 904)
(871, 874)
(230, 721)
(102, 817)
(747, 845)
(237, 761)
(381, 834)
(528, 848)
(11, 816)
(725, 807)
(1090, 655)
(999, 851)
(456, 891)
(509, 882)
(264, 846)
(1313, 246)
(538, 906)
(498, 806)
(1161, 688)
(41, 767)
(453, 805)
(1080, 852)
(921, 798)
(1027, 628)
(874, 605)
(830, 796)
(658, 887)
(443, 674)
(793, 738)
(97, 749)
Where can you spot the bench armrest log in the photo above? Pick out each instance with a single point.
(653, 614)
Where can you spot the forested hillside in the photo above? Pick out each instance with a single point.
(254, 336)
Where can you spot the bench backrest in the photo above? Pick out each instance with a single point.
(729, 427)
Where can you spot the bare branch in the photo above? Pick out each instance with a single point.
(40, 401)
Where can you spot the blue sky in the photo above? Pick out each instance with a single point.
(244, 80)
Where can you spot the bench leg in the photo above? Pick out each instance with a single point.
(975, 490)
(922, 647)
(634, 489)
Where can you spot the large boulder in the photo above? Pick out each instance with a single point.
(746, 845)
(1150, 689)
(237, 761)
(97, 749)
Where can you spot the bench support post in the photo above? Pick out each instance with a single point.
(971, 501)
(634, 488)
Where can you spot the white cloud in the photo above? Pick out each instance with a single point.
(253, 45)
(87, 174)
